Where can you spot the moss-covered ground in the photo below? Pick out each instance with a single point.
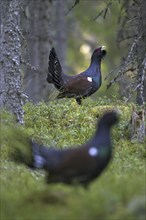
(118, 194)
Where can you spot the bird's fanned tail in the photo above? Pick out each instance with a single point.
(55, 70)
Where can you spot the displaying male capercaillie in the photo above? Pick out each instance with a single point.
(78, 86)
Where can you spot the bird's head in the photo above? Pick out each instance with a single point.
(99, 53)
(109, 118)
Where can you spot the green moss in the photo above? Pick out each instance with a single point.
(117, 194)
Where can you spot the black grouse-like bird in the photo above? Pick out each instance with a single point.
(81, 85)
(78, 165)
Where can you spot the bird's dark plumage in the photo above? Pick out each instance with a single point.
(81, 85)
(77, 165)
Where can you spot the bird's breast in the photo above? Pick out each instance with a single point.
(96, 81)
(105, 152)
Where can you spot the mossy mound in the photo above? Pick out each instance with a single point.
(119, 193)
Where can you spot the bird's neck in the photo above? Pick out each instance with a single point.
(95, 61)
(102, 142)
(102, 135)
(95, 67)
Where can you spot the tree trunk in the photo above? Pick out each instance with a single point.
(138, 122)
(141, 54)
(46, 26)
(39, 42)
(10, 91)
(61, 31)
(138, 127)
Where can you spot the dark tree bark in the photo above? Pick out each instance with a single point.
(46, 27)
(61, 31)
(133, 30)
(141, 53)
(39, 40)
(138, 127)
(11, 83)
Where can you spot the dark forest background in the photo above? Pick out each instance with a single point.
(75, 28)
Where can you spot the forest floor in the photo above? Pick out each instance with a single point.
(119, 193)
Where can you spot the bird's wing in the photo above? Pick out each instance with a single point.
(78, 166)
(76, 86)
(62, 161)
(75, 159)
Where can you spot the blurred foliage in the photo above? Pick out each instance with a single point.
(119, 193)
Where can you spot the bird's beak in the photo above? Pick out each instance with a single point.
(103, 48)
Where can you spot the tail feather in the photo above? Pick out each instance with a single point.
(28, 153)
(38, 160)
(35, 155)
(55, 74)
(22, 153)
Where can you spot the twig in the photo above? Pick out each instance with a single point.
(73, 6)
(28, 65)
(120, 72)
(142, 80)
(130, 59)
(104, 10)
(100, 13)
(113, 71)
(132, 92)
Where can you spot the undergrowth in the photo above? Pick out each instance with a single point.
(119, 193)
